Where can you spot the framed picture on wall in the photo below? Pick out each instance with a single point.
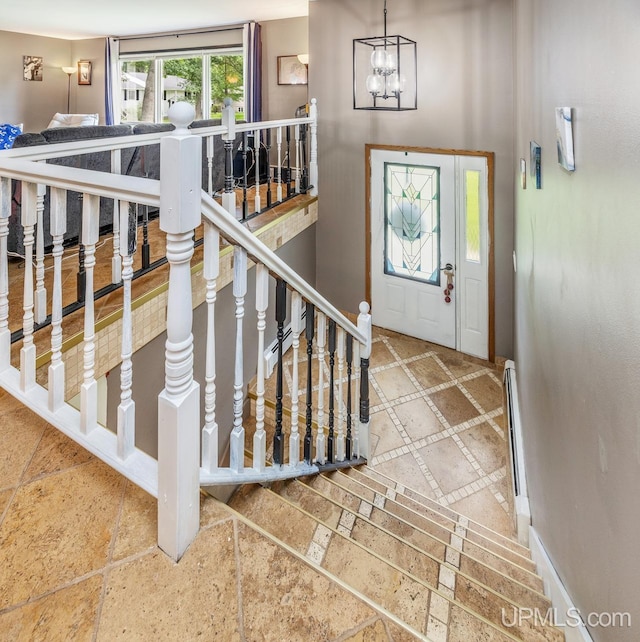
(84, 72)
(32, 67)
(564, 138)
(291, 71)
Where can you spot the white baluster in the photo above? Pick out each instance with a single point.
(210, 150)
(364, 325)
(340, 448)
(5, 333)
(58, 218)
(279, 145)
(297, 137)
(209, 458)
(256, 156)
(296, 331)
(127, 409)
(262, 301)
(239, 292)
(321, 342)
(179, 403)
(229, 121)
(28, 350)
(313, 153)
(89, 387)
(40, 303)
(116, 261)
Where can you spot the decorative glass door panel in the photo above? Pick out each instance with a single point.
(412, 222)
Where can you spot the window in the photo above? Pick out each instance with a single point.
(151, 83)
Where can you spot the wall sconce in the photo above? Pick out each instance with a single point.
(385, 72)
(304, 59)
(68, 71)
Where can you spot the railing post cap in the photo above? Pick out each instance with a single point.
(364, 307)
(181, 115)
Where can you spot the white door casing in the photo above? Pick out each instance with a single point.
(437, 213)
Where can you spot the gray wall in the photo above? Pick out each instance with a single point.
(465, 101)
(148, 363)
(282, 38)
(578, 297)
(34, 103)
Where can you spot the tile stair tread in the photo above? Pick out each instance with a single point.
(369, 572)
(430, 504)
(520, 573)
(406, 534)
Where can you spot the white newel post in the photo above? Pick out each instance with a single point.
(313, 154)
(179, 402)
(58, 217)
(5, 333)
(229, 194)
(364, 325)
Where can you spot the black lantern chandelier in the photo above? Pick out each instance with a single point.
(384, 72)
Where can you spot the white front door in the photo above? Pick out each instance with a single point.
(418, 251)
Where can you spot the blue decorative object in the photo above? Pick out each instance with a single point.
(8, 133)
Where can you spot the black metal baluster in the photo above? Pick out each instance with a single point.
(364, 390)
(309, 332)
(281, 313)
(245, 203)
(146, 249)
(228, 168)
(288, 161)
(304, 179)
(349, 366)
(332, 360)
(81, 276)
(268, 146)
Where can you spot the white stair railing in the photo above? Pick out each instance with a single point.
(188, 454)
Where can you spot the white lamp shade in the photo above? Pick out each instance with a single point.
(69, 70)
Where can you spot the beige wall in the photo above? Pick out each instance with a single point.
(282, 38)
(465, 101)
(34, 103)
(578, 297)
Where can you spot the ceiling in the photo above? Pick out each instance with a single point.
(79, 19)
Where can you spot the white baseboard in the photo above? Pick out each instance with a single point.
(516, 455)
(564, 608)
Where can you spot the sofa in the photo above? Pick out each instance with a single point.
(142, 161)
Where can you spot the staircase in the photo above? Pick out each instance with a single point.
(436, 573)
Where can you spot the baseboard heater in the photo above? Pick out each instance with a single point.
(271, 353)
(516, 455)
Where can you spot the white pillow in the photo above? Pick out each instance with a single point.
(73, 120)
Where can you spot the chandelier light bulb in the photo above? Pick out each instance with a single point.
(374, 84)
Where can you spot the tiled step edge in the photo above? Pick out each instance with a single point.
(336, 580)
(443, 591)
(455, 530)
(498, 538)
(452, 553)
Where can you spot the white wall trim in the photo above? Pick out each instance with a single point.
(564, 608)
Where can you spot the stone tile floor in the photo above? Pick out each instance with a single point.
(78, 559)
